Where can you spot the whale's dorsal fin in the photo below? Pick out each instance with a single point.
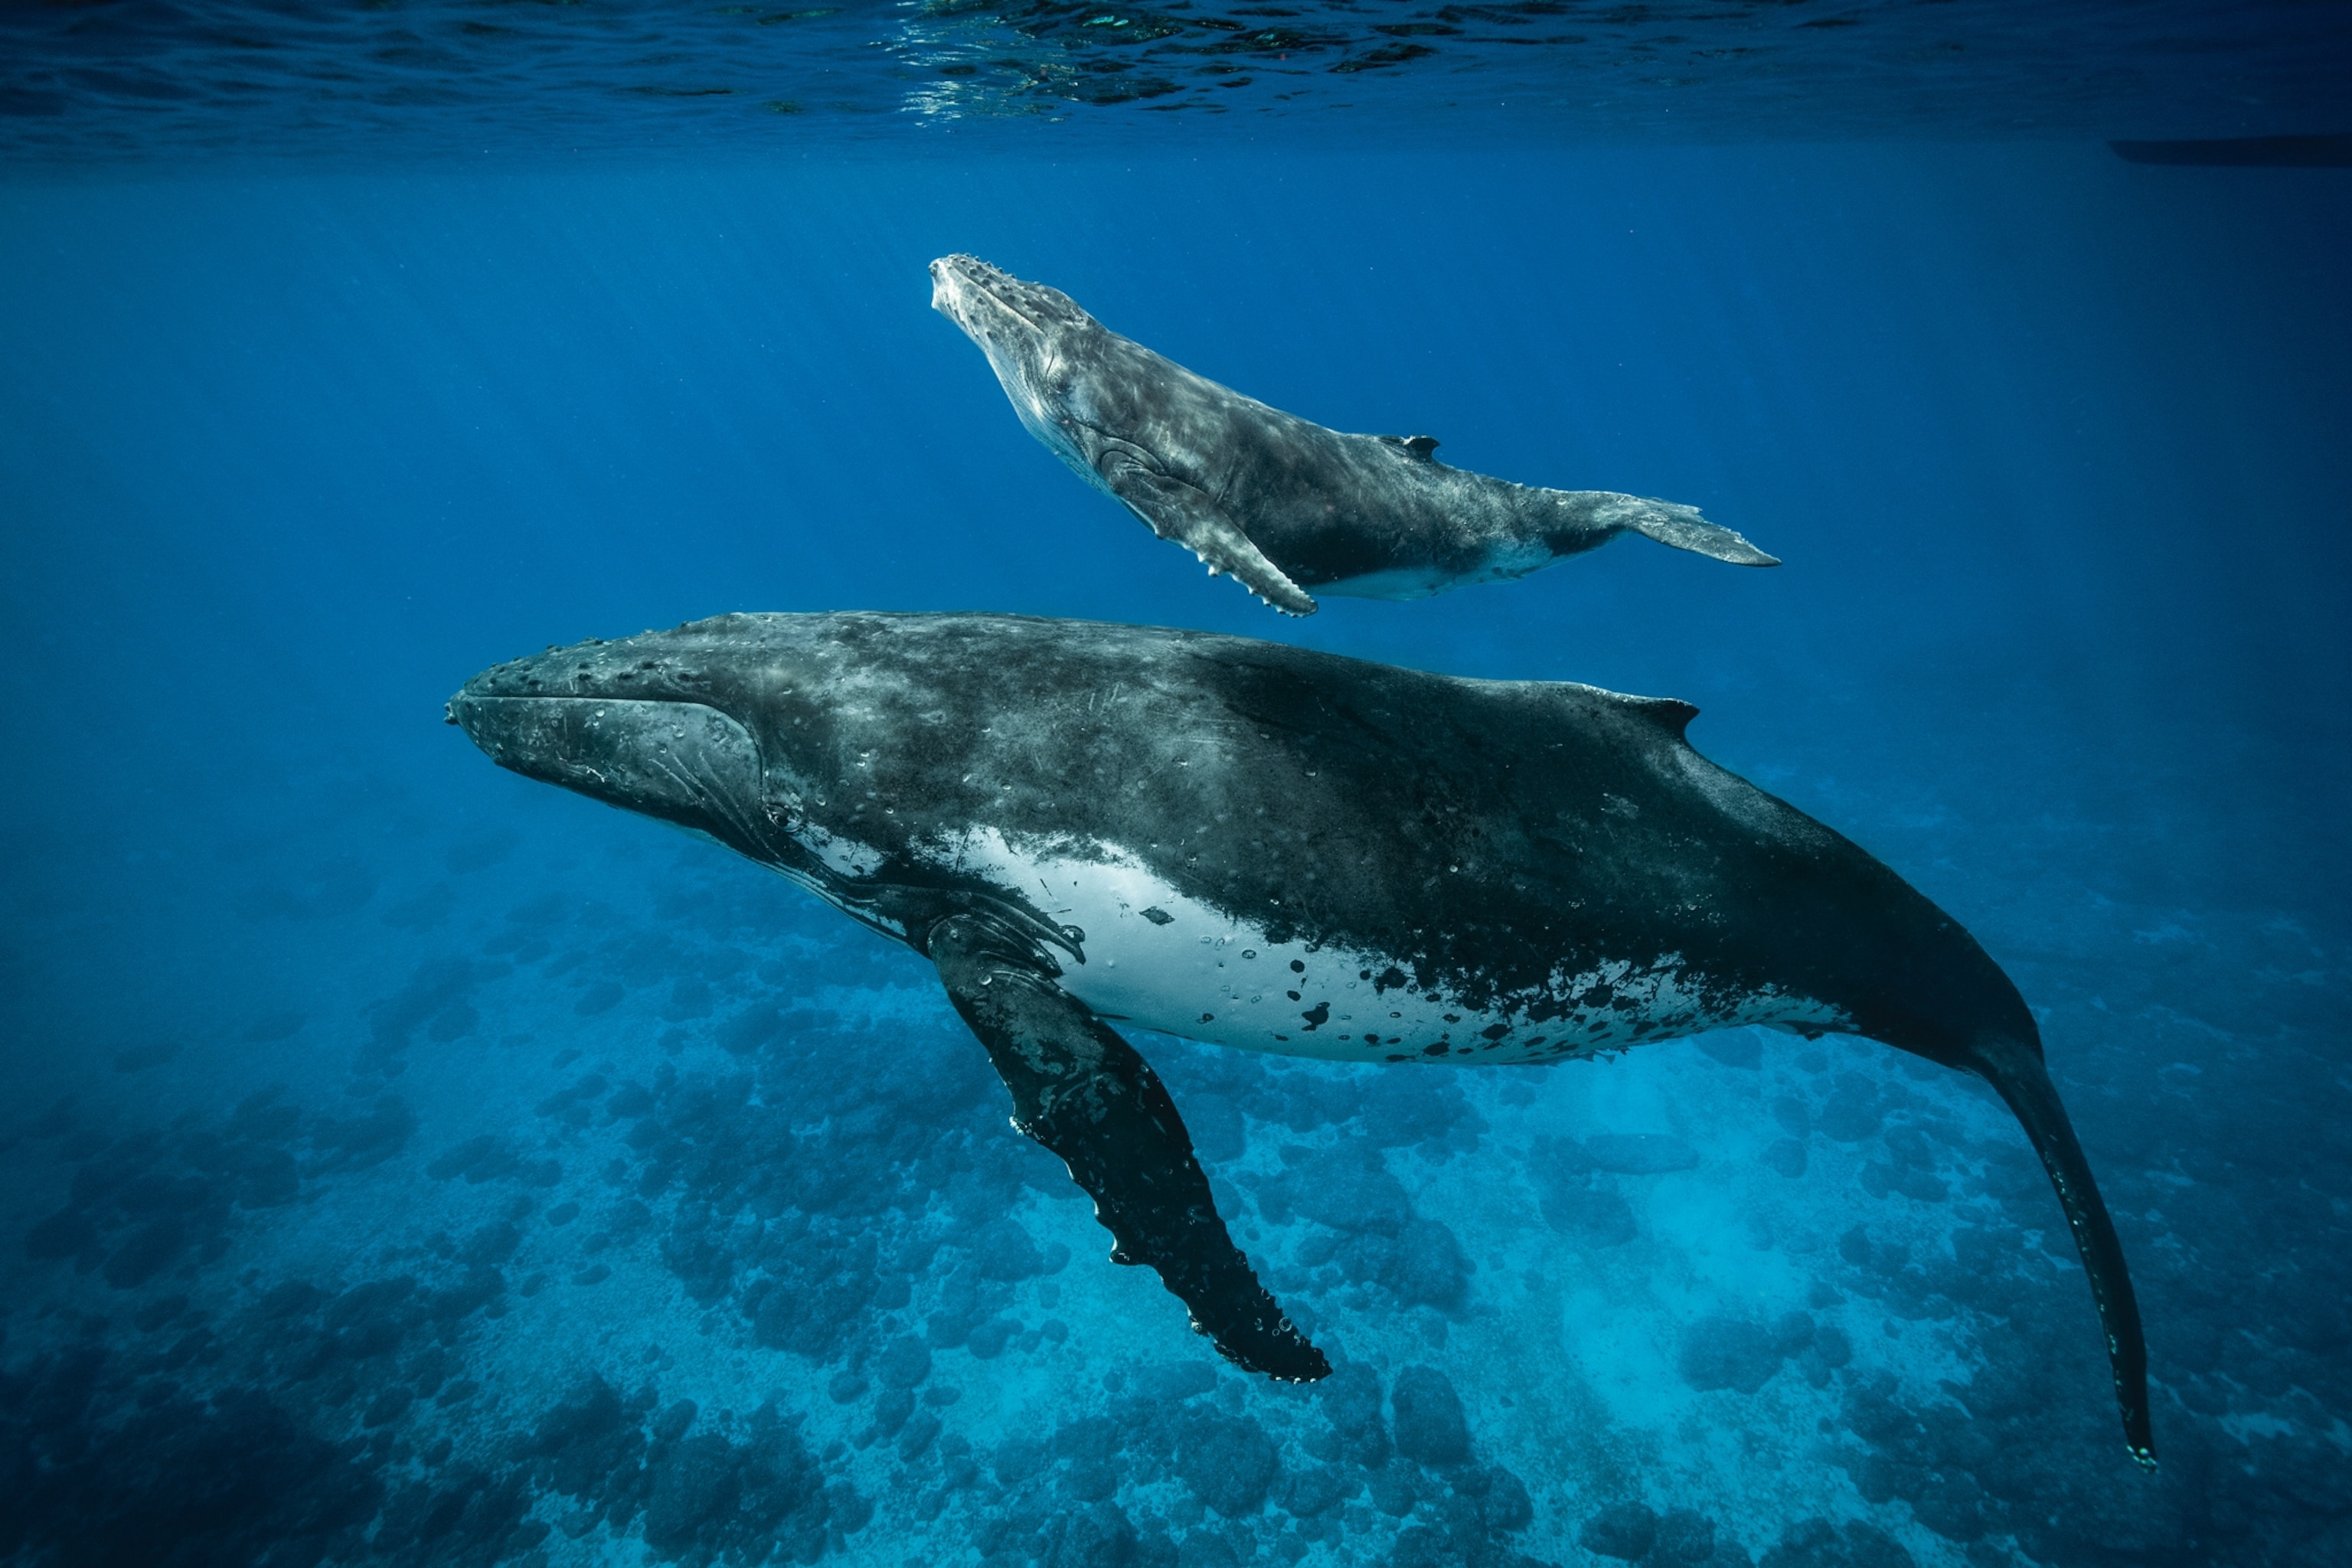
(1671, 715)
(1086, 1094)
(1414, 446)
(1581, 704)
(1177, 510)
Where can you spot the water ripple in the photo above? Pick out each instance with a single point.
(148, 77)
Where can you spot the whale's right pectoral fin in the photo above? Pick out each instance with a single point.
(1087, 1094)
(1176, 511)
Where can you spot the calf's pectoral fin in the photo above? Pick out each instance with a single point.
(1086, 1094)
(2017, 1074)
(1177, 510)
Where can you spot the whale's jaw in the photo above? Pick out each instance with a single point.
(685, 763)
(1003, 314)
(986, 302)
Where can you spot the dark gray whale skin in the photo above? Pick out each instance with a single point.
(1084, 823)
(1281, 504)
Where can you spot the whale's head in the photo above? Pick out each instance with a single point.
(829, 747)
(732, 729)
(641, 723)
(1024, 329)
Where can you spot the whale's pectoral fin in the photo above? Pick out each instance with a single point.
(2017, 1074)
(1177, 510)
(1086, 1094)
(1668, 523)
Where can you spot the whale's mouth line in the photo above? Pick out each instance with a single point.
(724, 796)
(994, 300)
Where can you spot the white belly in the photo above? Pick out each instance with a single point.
(1505, 560)
(1157, 959)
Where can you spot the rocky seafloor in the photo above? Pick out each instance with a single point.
(546, 1207)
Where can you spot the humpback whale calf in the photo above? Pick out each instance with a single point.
(1280, 504)
(1085, 826)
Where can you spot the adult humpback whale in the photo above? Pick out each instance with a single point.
(1277, 850)
(1281, 504)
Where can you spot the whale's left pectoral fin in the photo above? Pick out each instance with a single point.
(1177, 510)
(1087, 1094)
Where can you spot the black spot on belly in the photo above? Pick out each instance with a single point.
(1157, 916)
(1316, 1015)
(1495, 1031)
(1436, 1050)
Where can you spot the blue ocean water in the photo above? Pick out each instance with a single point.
(409, 1164)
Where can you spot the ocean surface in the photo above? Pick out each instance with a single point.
(404, 1163)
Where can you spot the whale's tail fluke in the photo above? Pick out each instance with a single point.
(1573, 522)
(1682, 528)
(2015, 1070)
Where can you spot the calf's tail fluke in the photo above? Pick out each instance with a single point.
(2016, 1072)
(1682, 527)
